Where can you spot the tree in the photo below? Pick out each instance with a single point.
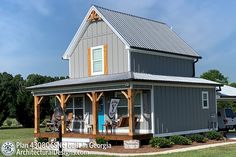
(25, 100)
(215, 75)
(233, 84)
(6, 95)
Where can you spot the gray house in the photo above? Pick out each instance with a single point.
(142, 63)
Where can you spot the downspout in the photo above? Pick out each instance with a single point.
(194, 67)
(218, 90)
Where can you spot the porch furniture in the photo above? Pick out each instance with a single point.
(69, 122)
(107, 127)
(77, 125)
(119, 123)
(87, 125)
(49, 126)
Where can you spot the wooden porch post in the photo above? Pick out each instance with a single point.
(131, 111)
(95, 99)
(37, 101)
(63, 99)
(63, 120)
(95, 113)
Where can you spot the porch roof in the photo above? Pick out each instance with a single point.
(124, 77)
(227, 93)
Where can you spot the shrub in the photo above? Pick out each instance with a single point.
(160, 142)
(198, 138)
(214, 135)
(9, 122)
(42, 139)
(101, 141)
(180, 140)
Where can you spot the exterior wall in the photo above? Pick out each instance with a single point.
(179, 109)
(98, 33)
(161, 65)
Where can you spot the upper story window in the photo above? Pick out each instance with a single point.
(97, 60)
(205, 100)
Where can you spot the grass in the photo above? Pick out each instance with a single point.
(221, 151)
(25, 135)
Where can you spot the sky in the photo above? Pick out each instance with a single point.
(34, 34)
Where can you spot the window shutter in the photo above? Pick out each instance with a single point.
(89, 61)
(105, 59)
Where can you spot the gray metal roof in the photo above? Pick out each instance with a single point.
(136, 32)
(148, 34)
(123, 77)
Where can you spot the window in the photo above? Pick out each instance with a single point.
(97, 62)
(122, 108)
(75, 105)
(205, 100)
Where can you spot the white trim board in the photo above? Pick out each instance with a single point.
(126, 130)
(152, 110)
(182, 132)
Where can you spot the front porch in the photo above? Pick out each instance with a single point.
(138, 115)
(115, 137)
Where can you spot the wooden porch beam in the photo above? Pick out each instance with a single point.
(36, 115)
(100, 95)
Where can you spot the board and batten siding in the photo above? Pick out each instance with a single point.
(180, 109)
(98, 33)
(161, 65)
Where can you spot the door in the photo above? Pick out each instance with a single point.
(101, 108)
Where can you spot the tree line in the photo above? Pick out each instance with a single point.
(17, 102)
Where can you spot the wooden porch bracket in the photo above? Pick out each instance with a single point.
(37, 101)
(67, 98)
(100, 95)
(90, 97)
(58, 98)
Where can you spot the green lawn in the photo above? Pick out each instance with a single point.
(25, 135)
(20, 134)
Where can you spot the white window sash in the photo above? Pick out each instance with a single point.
(92, 61)
(205, 93)
(74, 108)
